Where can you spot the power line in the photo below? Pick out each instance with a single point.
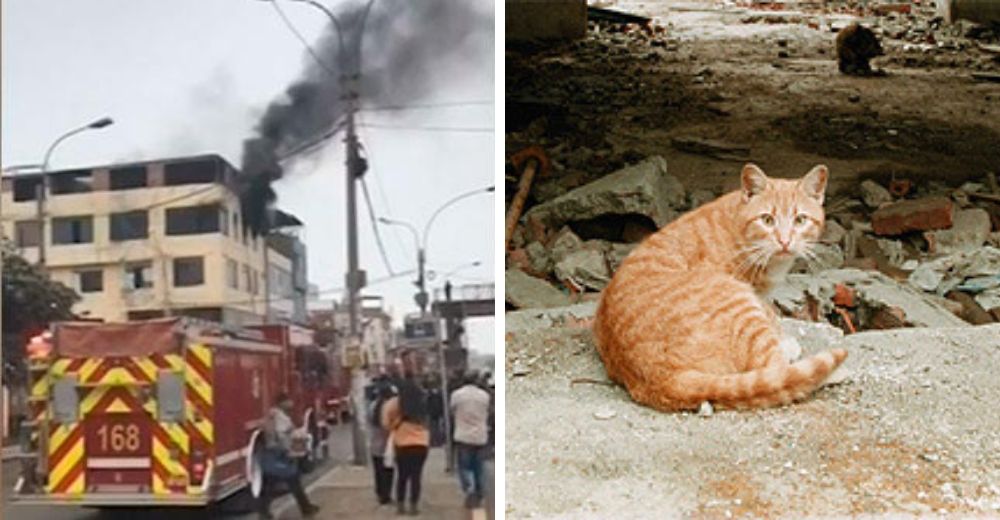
(432, 128)
(381, 188)
(288, 23)
(371, 218)
(418, 106)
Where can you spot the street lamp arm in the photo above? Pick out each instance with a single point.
(407, 225)
(444, 206)
(336, 25)
(94, 125)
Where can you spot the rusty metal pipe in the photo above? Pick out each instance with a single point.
(517, 203)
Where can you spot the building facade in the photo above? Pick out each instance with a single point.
(155, 238)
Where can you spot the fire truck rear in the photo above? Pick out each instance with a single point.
(130, 414)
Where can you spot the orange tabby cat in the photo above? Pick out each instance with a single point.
(683, 320)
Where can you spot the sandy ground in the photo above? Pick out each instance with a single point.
(912, 430)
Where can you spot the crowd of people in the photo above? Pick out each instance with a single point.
(406, 418)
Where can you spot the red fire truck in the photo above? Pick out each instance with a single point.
(163, 412)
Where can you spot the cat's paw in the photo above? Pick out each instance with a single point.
(790, 348)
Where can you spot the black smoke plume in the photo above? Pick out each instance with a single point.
(408, 45)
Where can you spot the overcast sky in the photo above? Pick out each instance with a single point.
(192, 76)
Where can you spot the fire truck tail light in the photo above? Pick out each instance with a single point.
(198, 466)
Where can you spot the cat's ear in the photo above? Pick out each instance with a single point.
(814, 183)
(754, 181)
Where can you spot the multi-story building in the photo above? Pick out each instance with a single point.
(157, 238)
(377, 338)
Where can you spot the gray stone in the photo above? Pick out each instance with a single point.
(700, 197)
(539, 257)
(833, 233)
(617, 254)
(825, 256)
(874, 194)
(525, 291)
(644, 188)
(948, 272)
(969, 231)
(585, 268)
(564, 243)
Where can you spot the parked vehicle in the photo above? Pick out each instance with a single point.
(164, 412)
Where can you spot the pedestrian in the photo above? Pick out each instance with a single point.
(435, 407)
(277, 461)
(405, 416)
(378, 438)
(470, 406)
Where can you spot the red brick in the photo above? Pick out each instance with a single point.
(913, 215)
(843, 295)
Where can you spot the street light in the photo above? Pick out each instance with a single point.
(43, 187)
(421, 241)
(421, 299)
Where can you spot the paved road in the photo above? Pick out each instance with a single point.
(24, 512)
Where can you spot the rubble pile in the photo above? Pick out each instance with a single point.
(912, 32)
(891, 256)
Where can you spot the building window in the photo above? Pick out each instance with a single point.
(236, 226)
(247, 279)
(26, 189)
(138, 275)
(131, 225)
(78, 181)
(232, 274)
(27, 233)
(205, 171)
(189, 271)
(193, 220)
(128, 178)
(224, 220)
(91, 281)
(73, 230)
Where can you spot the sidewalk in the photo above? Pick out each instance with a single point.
(347, 492)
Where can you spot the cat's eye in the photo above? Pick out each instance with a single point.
(800, 219)
(767, 219)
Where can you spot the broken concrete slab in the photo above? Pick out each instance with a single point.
(924, 214)
(833, 233)
(522, 291)
(643, 189)
(564, 243)
(909, 432)
(969, 231)
(874, 290)
(948, 272)
(825, 257)
(585, 268)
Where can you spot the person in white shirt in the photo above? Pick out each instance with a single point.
(470, 406)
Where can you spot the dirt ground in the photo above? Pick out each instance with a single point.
(910, 431)
(616, 97)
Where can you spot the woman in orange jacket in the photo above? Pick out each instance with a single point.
(405, 416)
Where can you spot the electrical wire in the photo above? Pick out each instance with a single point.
(432, 128)
(371, 217)
(420, 106)
(288, 23)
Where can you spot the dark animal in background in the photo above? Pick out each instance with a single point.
(856, 46)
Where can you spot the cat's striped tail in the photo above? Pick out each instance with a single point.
(773, 385)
